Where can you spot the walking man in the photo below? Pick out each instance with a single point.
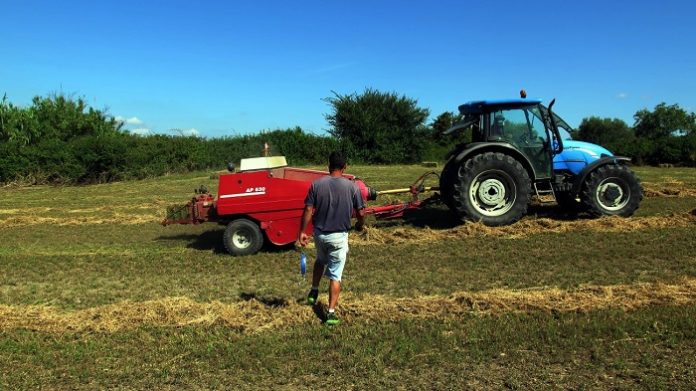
(329, 205)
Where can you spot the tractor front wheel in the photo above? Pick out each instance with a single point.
(243, 237)
(612, 190)
(493, 188)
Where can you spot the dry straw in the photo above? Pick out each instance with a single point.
(669, 188)
(254, 316)
(154, 212)
(525, 227)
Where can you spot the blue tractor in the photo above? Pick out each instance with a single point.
(518, 148)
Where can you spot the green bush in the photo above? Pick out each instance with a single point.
(379, 127)
(62, 140)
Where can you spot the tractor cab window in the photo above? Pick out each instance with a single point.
(525, 129)
(520, 126)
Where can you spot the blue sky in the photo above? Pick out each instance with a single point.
(227, 68)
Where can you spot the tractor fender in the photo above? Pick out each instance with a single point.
(603, 161)
(461, 125)
(482, 147)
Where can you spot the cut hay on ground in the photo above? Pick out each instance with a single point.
(523, 228)
(671, 188)
(257, 315)
(154, 211)
(113, 218)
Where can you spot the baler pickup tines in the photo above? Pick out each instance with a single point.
(397, 210)
(196, 211)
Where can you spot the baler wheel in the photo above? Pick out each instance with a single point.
(243, 237)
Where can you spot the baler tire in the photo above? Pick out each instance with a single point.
(612, 177)
(242, 237)
(505, 177)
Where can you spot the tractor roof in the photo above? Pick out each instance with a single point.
(485, 106)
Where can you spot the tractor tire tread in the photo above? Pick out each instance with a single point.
(594, 180)
(476, 164)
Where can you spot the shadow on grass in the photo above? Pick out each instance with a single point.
(212, 241)
(207, 241)
(434, 217)
(319, 309)
(320, 312)
(440, 217)
(274, 302)
(554, 212)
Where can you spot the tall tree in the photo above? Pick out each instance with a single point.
(612, 133)
(670, 130)
(664, 121)
(379, 127)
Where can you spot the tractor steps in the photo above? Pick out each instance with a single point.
(544, 195)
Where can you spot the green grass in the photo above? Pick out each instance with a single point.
(651, 348)
(85, 265)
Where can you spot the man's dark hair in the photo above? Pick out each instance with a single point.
(337, 161)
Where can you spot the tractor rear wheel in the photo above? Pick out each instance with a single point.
(448, 178)
(493, 188)
(612, 190)
(242, 237)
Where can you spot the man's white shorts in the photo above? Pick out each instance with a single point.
(332, 249)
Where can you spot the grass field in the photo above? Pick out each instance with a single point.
(95, 294)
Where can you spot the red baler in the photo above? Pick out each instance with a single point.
(269, 202)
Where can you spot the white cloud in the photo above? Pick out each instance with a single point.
(622, 95)
(134, 121)
(141, 131)
(128, 121)
(190, 132)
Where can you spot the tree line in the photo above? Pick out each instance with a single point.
(58, 139)
(667, 134)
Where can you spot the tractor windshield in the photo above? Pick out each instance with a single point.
(563, 128)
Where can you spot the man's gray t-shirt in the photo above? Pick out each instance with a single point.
(333, 199)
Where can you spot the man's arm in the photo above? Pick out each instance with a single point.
(360, 215)
(359, 206)
(303, 238)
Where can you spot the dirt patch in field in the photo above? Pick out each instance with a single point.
(255, 315)
(525, 227)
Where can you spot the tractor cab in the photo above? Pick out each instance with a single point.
(519, 124)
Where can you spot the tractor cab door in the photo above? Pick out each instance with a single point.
(524, 128)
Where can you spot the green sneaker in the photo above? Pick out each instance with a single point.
(312, 296)
(332, 319)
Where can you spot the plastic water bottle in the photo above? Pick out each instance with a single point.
(303, 263)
